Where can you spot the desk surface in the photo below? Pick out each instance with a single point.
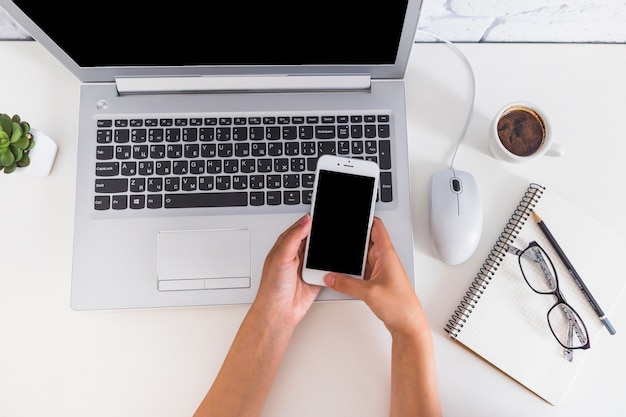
(57, 362)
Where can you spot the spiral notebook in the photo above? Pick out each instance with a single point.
(505, 322)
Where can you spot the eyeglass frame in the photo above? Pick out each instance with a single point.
(560, 299)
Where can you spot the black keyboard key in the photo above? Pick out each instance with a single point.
(111, 185)
(370, 131)
(291, 197)
(119, 202)
(190, 134)
(305, 132)
(102, 202)
(272, 133)
(157, 151)
(145, 167)
(137, 185)
(385, 154)
(104, 136)
(225, 199)
(137, 201)
(383, 131)
(172, 184)
(155, 185)
(207, 134)
(122, 135)
(356, 131)
(386, 193)
(325, 132)
(240, 133)
(123, 152)
(138, 135)
(290, 132)
(223, 134)
(107, 169)
(172, 135)
(189, 183)
(154, 201)
(326, 148)
(128, 169)
(206, 183)
(273, 198)
(104, 152)
(155, 135)
(307, 195)
(257, 198)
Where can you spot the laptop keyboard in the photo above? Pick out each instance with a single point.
(229, 161)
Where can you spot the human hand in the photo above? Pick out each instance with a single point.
(386, 289)
(282, 291)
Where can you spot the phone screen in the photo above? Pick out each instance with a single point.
(340, 222)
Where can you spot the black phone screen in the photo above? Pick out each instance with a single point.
(340, 221)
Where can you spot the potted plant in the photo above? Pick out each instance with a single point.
(17, 140)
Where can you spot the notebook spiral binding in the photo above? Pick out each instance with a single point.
(494, 259)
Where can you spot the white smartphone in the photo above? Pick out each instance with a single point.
(342, 210)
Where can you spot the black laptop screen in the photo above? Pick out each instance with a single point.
(231, 32)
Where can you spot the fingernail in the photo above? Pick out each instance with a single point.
(304, 219)
(329, 279)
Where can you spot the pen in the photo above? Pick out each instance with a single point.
(574, 274)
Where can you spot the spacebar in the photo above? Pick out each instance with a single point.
(206, 200)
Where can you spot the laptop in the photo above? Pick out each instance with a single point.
(199, 131)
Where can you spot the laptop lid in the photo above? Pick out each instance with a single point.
(115, 39)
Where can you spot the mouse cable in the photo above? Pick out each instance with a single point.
(473, 89)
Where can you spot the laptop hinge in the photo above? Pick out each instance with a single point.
(243, 84)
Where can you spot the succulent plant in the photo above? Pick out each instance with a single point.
(16, 141)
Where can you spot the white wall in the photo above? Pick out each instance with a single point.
(597, 21)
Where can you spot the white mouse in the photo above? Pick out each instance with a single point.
(456, 215)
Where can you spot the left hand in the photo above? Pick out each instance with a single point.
(282, 290)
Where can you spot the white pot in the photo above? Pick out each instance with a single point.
(42, 155)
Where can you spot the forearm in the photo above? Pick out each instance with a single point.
(245, 379)
(413, 377)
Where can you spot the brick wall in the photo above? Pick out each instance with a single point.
(596, 21)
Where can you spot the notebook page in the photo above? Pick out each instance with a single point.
(508, 326)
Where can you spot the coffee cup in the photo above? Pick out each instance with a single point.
(521, 132)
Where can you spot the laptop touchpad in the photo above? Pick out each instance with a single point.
(203, 259)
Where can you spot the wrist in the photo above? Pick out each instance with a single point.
(274, 317)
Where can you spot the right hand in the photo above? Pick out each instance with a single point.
(386, 288)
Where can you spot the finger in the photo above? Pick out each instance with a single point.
(346, 284)
(290, 241)
(379, 232)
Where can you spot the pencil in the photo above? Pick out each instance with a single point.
(574, 274)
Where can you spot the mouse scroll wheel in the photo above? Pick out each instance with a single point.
(456, 185)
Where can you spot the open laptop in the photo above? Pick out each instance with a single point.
(199, 131)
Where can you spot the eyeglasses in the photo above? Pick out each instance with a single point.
(538, 270)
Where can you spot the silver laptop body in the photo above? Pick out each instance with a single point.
(236, 64)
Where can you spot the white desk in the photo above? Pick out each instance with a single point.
(57, 362)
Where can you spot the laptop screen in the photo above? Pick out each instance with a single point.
(235, 32)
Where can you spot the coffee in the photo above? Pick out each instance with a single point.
(521, 131)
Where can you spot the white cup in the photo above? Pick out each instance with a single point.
(521, 132)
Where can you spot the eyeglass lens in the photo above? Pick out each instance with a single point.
(565, 324)
(538, 270)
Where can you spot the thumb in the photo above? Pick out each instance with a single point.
(345, 284)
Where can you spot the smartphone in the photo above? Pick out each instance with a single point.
(342, 210)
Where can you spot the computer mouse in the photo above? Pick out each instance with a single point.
(456, 215)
